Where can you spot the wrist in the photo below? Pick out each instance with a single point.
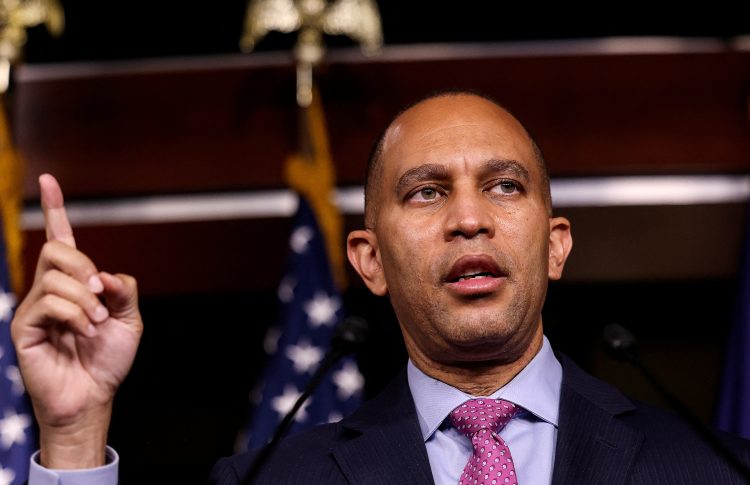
(76, 445)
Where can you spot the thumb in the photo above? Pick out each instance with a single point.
(120, 294)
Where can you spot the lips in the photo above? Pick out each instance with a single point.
(472, 267)
(474, 276)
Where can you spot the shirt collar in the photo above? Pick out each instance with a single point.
(536, 388)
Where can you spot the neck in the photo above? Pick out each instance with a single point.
(479, 378)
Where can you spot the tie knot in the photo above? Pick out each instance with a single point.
(477, 414)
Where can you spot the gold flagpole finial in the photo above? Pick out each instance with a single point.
(358, 19)
(15, 17)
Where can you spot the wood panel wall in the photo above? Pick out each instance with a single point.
(225, 124)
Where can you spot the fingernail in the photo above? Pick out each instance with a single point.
(95, 284)
(91, 331)
(101, 313)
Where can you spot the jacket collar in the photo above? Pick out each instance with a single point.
(386, 445)
(593, 446)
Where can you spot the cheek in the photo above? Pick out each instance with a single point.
(526, 240)
(407, 253)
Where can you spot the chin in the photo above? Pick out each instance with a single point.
(484, 354)
(489, 339)
(481, 340)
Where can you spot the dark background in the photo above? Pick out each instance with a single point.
(142, 28)
(187, 395)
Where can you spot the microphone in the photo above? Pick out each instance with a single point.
(350, 334)
(621, 345)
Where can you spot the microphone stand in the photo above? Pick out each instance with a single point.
(620, 344)
(350, 334)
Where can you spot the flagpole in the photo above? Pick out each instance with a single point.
(16, 416)
(314, 277)
(18, 15)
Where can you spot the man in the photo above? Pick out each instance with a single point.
(459, 235)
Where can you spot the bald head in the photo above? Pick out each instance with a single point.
(461, 104)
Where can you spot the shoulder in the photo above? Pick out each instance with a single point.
(302, 458)
(661, 442)
(669, 433)
(651, 420)
(308, 457)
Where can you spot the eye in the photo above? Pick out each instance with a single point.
(425, 194)
(506, 187)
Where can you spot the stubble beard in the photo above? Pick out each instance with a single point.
(476, 333)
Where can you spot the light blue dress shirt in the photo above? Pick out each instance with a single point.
(531, 435)
(103, 475)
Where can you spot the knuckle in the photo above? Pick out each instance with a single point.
(67, 259)
(129, 282)
(82, 266)
(55, 308)
(48, 251)
(17, 323)
(47, 303)
(73, 314)
(47, 281)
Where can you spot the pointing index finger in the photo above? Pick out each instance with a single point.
(56, 221)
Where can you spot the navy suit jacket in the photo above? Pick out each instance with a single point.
(603, 438)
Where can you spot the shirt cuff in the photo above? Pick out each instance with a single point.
(103, 475)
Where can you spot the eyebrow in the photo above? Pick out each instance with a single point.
(512, 166)
(434, 171)
(428, 171)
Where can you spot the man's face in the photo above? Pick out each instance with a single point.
(462, 236)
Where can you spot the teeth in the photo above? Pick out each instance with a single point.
(472, 276)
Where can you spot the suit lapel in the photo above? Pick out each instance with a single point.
(386, 445)
(593, 446)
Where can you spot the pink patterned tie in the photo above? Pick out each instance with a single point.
(481, 420)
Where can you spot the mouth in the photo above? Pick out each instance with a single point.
(472, 267)
(471, 275)
(474, 275)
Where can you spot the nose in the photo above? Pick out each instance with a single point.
(468, 215)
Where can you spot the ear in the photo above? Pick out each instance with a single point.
(362, 249)
(560, 244)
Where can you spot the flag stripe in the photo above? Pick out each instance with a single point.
(17, 439)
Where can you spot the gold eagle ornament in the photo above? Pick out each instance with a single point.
(357, 19)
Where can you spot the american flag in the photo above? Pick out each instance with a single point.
(733, 413)
(17, 440)
(311, 307)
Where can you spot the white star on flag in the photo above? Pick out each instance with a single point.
(6, 476)
(305, 357)
(14, 376)
(13, 429)
(7, 302)
(348, 380)
(321, 310)
(300, 238)
(310, 308)
(284, 403)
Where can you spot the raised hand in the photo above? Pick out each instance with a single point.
(76, 334)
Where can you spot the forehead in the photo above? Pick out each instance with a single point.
(455, 129)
